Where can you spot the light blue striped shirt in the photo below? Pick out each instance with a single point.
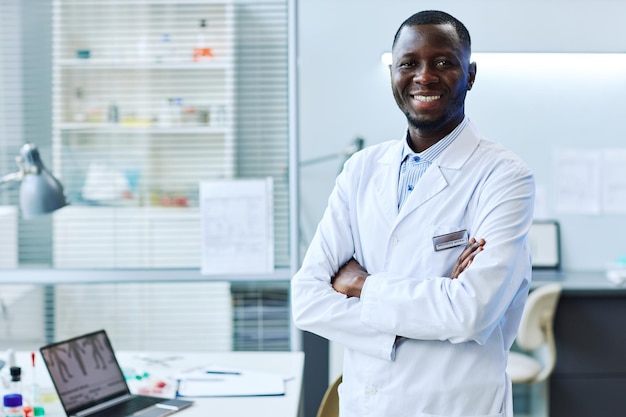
(415, 164)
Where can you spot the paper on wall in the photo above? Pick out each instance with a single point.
(237, 226)
(577, 181)
(614, 180)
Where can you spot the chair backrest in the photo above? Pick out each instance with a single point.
(536, 325)
(329, 407)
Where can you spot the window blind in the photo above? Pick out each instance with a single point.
(132, 104)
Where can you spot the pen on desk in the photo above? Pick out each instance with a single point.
(222, 372)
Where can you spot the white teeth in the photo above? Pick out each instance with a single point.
(427, 99)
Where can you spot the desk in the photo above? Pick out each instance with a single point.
(578, 282)
(288, 364)
(590, 334)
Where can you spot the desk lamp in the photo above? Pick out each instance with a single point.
(40, 192)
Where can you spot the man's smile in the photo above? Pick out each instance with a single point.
(425, 99)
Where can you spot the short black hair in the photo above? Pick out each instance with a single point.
(436, 17)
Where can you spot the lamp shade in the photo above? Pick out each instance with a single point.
(40, 192)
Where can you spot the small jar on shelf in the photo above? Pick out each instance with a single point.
(202, 52)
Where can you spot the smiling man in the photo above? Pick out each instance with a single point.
(430, 76)
(427, 313)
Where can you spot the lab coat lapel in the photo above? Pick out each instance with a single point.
(386, 182)
(431, 184)
(434, 181)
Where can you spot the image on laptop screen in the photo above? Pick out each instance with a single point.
(84, 370)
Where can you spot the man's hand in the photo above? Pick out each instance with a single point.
(349, 279)
(467, 256)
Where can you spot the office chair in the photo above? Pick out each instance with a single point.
(535, 337)
(533, 362)
(329, 407)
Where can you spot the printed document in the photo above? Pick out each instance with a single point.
(237, 226)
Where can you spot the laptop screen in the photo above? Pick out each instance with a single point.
(84, 371)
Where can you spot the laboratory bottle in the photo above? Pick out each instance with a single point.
(78, 105)
(165, 52)
(113, 113)
(15, 386)
(13, 405)
(177, 109)
(202, 51)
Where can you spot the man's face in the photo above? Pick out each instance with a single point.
(430, 75)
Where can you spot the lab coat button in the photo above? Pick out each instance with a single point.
(370, 390)
(394, 240)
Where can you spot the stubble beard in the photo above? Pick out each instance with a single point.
(424, 125)
(429, 125)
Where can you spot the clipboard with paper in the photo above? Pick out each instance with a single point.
(218, 382)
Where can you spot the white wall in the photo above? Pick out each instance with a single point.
(344, 92)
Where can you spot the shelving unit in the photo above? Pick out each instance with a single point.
(131, 263)
(140, 116)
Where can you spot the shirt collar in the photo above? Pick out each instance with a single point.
(435, 150)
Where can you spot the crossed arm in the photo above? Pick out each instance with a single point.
(350, 278)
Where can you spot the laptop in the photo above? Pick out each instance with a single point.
(90, 382)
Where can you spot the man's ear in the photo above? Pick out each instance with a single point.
(471, 75)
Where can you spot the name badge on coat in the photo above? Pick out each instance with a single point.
(450, 240)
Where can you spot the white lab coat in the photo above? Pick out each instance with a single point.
(456, 334)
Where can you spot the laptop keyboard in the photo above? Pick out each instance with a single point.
(128, 407)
